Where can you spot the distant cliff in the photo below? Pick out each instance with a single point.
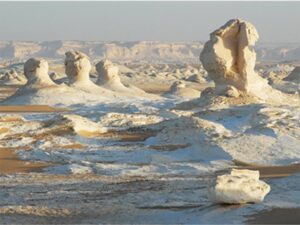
(147, 51)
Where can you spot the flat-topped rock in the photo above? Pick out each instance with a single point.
(238, 187)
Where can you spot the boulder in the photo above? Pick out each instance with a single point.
(238, 187)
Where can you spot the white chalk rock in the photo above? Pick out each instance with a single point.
(229, 58)
(238, 187)
(108, 77)
(77, 68)
(178, 88)
(81, 124)
(13, 78)
(36, 72)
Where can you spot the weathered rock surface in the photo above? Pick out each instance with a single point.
(36, 72)
(238, 187)
(12, 78)
(229, 59)
(178, 88)
(108, 77)
(77, 67)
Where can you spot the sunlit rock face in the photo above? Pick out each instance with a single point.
(108, 73)
(36, 72)
(229, 58)
(77, 67)
(238, 187)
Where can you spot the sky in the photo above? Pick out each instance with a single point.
(136, 21)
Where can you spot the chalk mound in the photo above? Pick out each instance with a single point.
(294, 76)
(77, 68)
(75, 123)
(36, 72)
(108, 77)
(197, 78)
(179, 89)
(229, 58)
(13, 78)
(238, 187)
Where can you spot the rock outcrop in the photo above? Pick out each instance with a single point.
(108, 77)
(229, 58)
(12, 78)
(36, 72)
(179, 89)
(238, 187)
(77, 68)
(108, 73)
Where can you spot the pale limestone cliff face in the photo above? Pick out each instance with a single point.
(229, 58)
(77, 67)
(36, 72)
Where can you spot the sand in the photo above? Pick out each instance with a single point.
(29, 109)
(271, 171)
(276, 216)
(10, 163)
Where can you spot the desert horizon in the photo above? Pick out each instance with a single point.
(150, 132)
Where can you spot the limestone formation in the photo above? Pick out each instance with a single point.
(12, 78)
(36, 72)
(178, 88)
(108, 73)
(108, 77)
(77, 68)
(229, 58)
(238, 187)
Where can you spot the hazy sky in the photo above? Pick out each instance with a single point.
(131, 21)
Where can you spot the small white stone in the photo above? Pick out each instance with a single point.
(241, 186)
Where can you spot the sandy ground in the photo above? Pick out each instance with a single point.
(271, 171)
(10, 163)
(276, 216)
(29, 109)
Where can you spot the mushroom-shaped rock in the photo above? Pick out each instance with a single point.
(77, 68)
(238, 187)
(108, 77)
(229, 58)
(36, 72)
(108, 73)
